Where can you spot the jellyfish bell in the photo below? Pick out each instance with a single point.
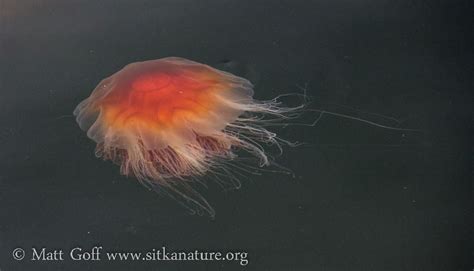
(171, 120)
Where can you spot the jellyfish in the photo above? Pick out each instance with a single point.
(170, 121)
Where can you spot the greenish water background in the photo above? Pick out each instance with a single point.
(363, 198)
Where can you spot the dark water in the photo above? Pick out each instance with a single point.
(363, 198)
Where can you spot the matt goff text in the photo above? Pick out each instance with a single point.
(94, 254)
(75, 254)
